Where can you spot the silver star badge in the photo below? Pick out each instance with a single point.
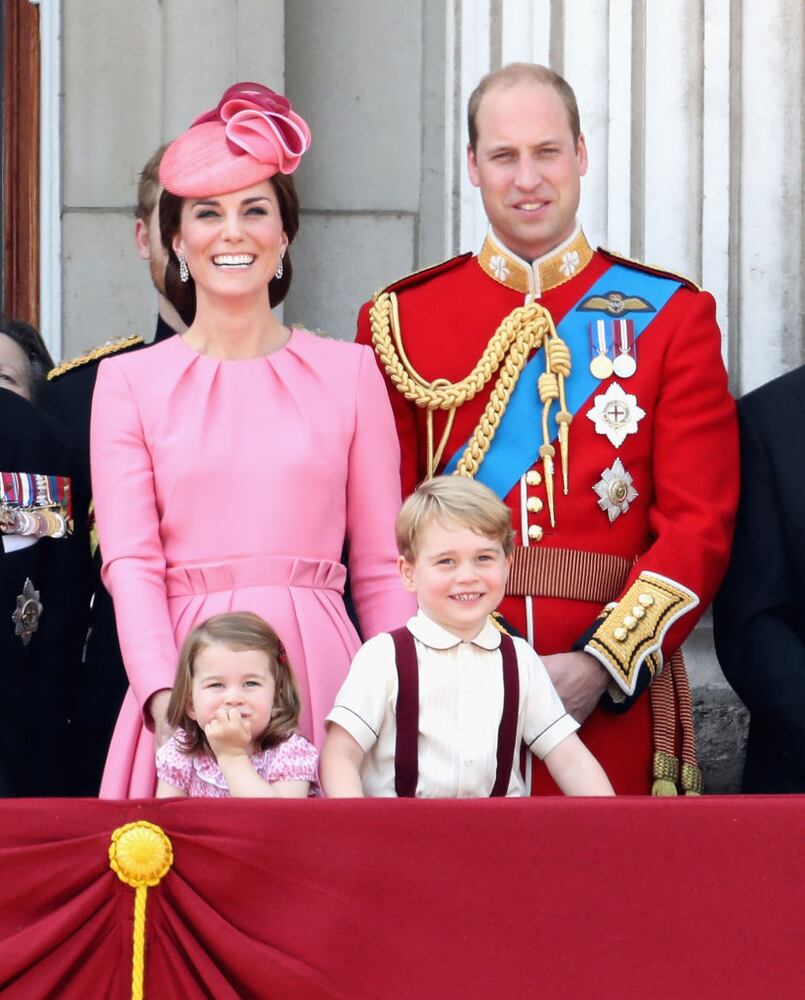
(615, 490)
(615, 414)
(28, 612)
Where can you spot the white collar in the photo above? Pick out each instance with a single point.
(430, 633)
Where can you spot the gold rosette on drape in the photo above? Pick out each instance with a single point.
(141, 855)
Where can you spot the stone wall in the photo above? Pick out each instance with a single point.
(354, 69)
(136, 74)
(720, 721)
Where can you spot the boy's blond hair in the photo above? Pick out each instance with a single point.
(456, 500)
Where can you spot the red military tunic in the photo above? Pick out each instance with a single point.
(681, 457)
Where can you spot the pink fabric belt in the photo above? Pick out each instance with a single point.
(288, 571)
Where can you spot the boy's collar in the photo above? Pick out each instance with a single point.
(430, 633)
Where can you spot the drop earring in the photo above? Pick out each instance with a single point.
(280, 266)
(184, 273)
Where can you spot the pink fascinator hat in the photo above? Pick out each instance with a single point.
(251, 135)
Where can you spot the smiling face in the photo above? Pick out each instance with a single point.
(232, 242)
(527, 167)
(458, 576)
(15, 369)
(233, 678)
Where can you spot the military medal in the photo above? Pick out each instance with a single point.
(615, 414)
(600, 362)
(625, 363)
(35, 505)
(7, 520)
(615, 490)
(28, 612)
(33, 522)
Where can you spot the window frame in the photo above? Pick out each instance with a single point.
(21, 160)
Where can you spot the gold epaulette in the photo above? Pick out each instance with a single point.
(500, 623)
(95, 354)
(662, 272)
(424, 274)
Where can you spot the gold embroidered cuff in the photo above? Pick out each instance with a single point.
(631, 635)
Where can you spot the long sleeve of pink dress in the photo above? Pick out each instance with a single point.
(233, 485)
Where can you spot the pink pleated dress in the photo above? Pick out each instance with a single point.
(233, 486)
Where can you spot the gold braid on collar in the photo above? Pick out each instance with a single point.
(525, 329)
(95, 354)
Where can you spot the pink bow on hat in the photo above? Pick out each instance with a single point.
(261, 123)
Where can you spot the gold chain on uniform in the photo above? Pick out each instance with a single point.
(526, 328)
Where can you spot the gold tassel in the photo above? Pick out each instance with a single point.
(563, 418)
(691, 779)
(666, 774)
(547, 453)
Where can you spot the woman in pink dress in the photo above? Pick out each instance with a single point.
(232, 464)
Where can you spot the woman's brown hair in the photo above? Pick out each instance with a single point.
(182, 294)
(238, 631)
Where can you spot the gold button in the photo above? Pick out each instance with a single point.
(638, 611)
(533, 478)
(535, 533)
(534, 504)
(620, 634)
(630, 622)
(646, 600)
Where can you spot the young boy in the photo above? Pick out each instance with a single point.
(439, 708)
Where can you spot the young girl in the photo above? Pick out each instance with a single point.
(234, 708)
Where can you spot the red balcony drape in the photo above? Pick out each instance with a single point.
(386, 899)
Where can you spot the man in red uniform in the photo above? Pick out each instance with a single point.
(589, 392)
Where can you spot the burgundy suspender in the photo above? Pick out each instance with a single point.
(507, 730)
(406, 755)
(406, 752)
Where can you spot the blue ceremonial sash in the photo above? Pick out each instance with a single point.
(515, 447)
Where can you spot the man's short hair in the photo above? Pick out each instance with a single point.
(149, 188)
(518, 72)
(453, 500)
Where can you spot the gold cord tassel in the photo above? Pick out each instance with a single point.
(524, 330)
(563, 418)
(558, 362)
(547, 453)
(140, 854)
(691, 779)
(665, 771)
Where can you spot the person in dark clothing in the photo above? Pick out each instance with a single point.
(759, 614)
(43, 572)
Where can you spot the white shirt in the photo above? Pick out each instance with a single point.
(13, 543)
(460, 705)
